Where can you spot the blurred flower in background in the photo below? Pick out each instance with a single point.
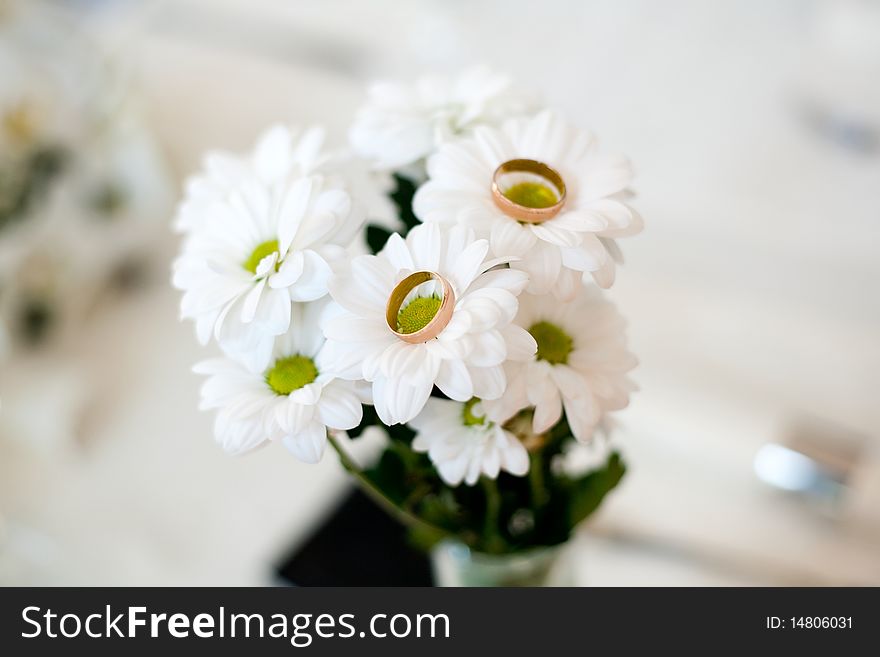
(82, 188)
(75, 165)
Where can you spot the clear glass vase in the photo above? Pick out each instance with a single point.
(455, 564)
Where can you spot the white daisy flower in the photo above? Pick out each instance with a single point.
(279, 155)
(401, 124)
(267, 236)
(580, 366)
(543, 169)
(453, 331)
(463, 444)
(296, 399)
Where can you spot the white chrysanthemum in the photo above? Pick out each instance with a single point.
(295, 400)
(401, 124)
(265, 235)
(280, 155)
(561, 251)
(463, 444)
(464, 360)
(581, 364)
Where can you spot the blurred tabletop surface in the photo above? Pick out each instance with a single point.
(751, 296)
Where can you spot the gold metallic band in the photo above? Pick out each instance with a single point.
(522, 212)
(437, 323)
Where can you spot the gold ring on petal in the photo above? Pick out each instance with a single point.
(438, 322)
(534, 169)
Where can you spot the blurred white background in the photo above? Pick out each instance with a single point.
(752, 295)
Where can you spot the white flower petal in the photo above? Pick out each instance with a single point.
(237, 437)
(397, 252)
(381, 401)
(364, 291)
(510, 238)
(252, 302)
(604, 276)
(272, 154)
(424, 242)
(406, 400)
(313, 282)
(556, 235)
(589, 256)
(548, 409)
(490, 307)
(489, 382)
(339, 407)
(308, 445)
(515, 458)
(569, 382)
(318, 226)
(567, 285)
(293, 211)
(308, 151)
(274, 312)
(348, 328)
(582, 415)
(607, 175)
(491, 463)
(489, 349)
(513, 399)
(289, 271)
(468, 265)
(454, 380)
(542, 265)
(520, 343)
(452, 472)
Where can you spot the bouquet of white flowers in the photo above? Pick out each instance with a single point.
(476, 331)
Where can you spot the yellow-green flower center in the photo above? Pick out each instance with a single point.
(532, 195)
(291, 373)
(20, 122)
(467, 414)
(261, 251)
(554, 344)
(417, 314)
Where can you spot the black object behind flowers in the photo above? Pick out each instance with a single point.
(359, 545)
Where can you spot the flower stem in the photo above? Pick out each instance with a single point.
(491, 533)
(378, 496)
(536, 480)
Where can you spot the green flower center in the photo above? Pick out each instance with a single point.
(261, 251)
(417, 314)
(291, 373)
(554, 344)
(467, 414)
(532, 195)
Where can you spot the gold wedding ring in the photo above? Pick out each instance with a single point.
(398, 295)
(523, 212)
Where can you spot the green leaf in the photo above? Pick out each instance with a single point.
(424, 538)
(389, 476)
(441, 508)
(588, 491)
